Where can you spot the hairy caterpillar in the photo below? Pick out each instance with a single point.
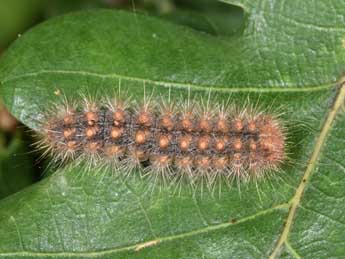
(173, 140)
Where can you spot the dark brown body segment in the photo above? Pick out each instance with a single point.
(171, 140)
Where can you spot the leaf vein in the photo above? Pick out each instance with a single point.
(133, 247)
(296, 199)
(278, 88)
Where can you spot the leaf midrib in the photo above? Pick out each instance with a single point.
(277, 88)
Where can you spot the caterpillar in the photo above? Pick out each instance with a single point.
(186, 139)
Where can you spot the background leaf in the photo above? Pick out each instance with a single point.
(16, 169)
(15, 16)
(289, 54)
(213, 17)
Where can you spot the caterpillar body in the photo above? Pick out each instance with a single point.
(194, 141)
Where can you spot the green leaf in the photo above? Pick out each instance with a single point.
(15, 17)
(16, 166)
(215, 18)
(289, 54)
